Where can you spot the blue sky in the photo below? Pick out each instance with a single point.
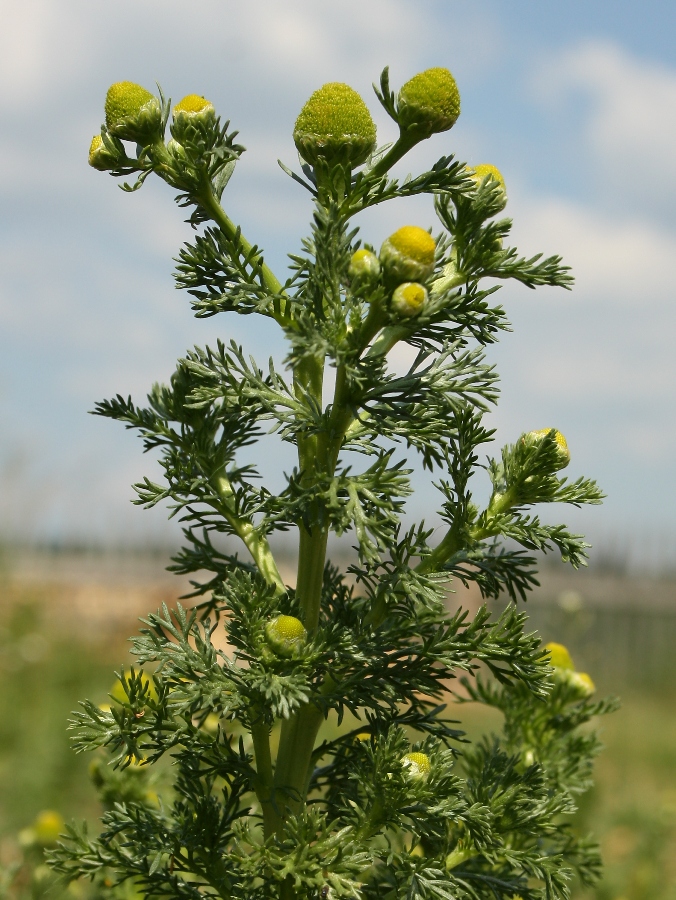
(576, 104)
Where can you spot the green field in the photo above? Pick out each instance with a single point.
(45, 668)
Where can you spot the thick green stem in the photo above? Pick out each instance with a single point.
(260, 735)
(296, 743)
(312, 554)
(404, 143)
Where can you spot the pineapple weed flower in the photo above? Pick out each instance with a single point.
(312, 755)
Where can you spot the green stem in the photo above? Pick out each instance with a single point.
(312, 554)
(404, 143)
(256, 543)
(296, 743)
(260, 735)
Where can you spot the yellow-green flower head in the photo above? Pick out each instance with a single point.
(409, 299)
(429, 102)
(335, 126)
(98, 157)
(286, 635)
(480, 173)
(582, 684)
(417, 764)
(132, 113)
(193, 105)
(408, 254)
(563, 453)
(48, 826)
(364, 265)
(559, 657)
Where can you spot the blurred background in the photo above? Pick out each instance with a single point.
(575, 103)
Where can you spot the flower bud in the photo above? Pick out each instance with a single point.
(562, 451)
(417, 764)
(409, 299)
(286, 635)
(582, 684)
(484, 172)
(559, 657)
(429, 103)
(99, 156)
(48, 826)
(193, 107)
(132, 113)
(335, 127)
(364, 265)
(408, 254)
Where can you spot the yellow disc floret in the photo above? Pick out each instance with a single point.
(285, 634)
(132, 113)
(409, 299)
(559, 657)
(429, 102)
(335, 126)
(193, 104)
(408, 255)
(484, 171)
(417, 764)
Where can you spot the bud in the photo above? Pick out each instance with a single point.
(559, 657)
(582, 684)
(409, 299)
(408, 254)
(286, 635)
(563, 453)
(429, 103)
(48, 826)
(193, 107)
(99, 156)
(132, 113)
(484, 172)
(417, 764)
(335, 127)
(364, 265)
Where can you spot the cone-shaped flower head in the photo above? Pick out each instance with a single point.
(563, 453)
(559, 657)
(132, 113)
(99, 157)
(285, 634)
(429, 102)
(409, 299)
(408, 255)
(481, 172)
(417, 764)
(364, 265)
(334, 127)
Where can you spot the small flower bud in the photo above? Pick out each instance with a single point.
(429, 102)
(286, 635)
(99, 156)
(484, 172)
(193, 107)
(364, 265)
(417, 764)
(48, 826)
(559, 657)
(409, 299)
(582, 684)
(132, 113)
(408, 254)
(335, 127)
(563, 453)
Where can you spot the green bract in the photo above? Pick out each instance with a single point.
(335, 127)
(285, 698)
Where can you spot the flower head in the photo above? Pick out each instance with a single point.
(409, 299)
(559, 657)
(335, 126)
(582, 684)
(132, 113)
(408, 254)
(417, 765)
(562, 451)
(487, 172)
(364, 265)
(193, 105)
(429, 102)
(285, 634)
